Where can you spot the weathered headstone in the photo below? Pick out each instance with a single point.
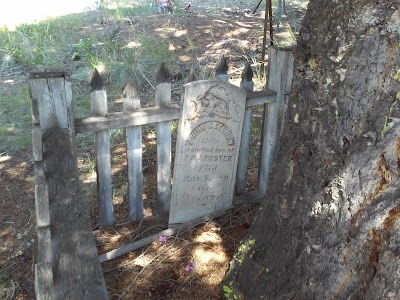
(207, 149)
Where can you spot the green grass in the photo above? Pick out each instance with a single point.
(71, 43)
(15, 119)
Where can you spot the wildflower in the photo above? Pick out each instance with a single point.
(162, 239)
(190, 267)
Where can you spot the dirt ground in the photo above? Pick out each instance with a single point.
(188, 265)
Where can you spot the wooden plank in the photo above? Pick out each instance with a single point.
(76, 271)
(279, 74)
(43, 281)
(134, 156)
(35, 109)
(37, 143)
(67, 266)
(248, 197)
(260, 98)
(123, 119)
(174, 229)
(278, 58)
(45, 249)
(98, 103)
(41, 197)
(163, 98)
(151, 115)
(50, 100)
(243, 161)
(51, 105)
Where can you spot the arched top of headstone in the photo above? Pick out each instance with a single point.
(163, 74)
(96, 82)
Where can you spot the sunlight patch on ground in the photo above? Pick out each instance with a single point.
(13, 13)
(133, 44)
(5, 158)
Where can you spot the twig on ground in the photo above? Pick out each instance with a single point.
(30, 218)
(144, 76)
(144, 231)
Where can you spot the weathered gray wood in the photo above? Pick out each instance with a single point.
(241, 174)
(76, 270)
(280, 74)
(52, 107)
(67, 258)
(134, 156)
(43, 281)
(35, 109)
(208, 140)
(45, 251)
(221, 70)
(98, 103)
(123, 119)
(151, 115)
(260, 98)
(173, 229)
(277, 58)
(163, 98)
(41, 197)
(50, 99)
(37, 143)
(248, 197)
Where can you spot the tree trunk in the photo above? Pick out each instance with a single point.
(330, 225)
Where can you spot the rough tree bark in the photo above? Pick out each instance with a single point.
(330, 225)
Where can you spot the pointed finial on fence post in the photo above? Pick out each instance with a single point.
(96, 82)
(163, 74)
(221, 70)
(247, 78)
(132, 100)
(192, 76)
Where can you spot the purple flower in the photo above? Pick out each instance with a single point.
(162, 239)
(190, 267)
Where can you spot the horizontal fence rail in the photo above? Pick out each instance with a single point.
(151, 115)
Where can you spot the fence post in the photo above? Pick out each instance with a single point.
(280, 74)
(43, 268)
(163, 98)
(221, 70)
(98, 104)
(65, 240)
(241, 174)
(134, 155)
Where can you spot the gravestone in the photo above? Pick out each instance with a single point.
(207, 149)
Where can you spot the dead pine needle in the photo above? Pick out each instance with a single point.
(145, 267)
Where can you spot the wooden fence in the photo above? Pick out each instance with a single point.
(133, 117)
(61, 217)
